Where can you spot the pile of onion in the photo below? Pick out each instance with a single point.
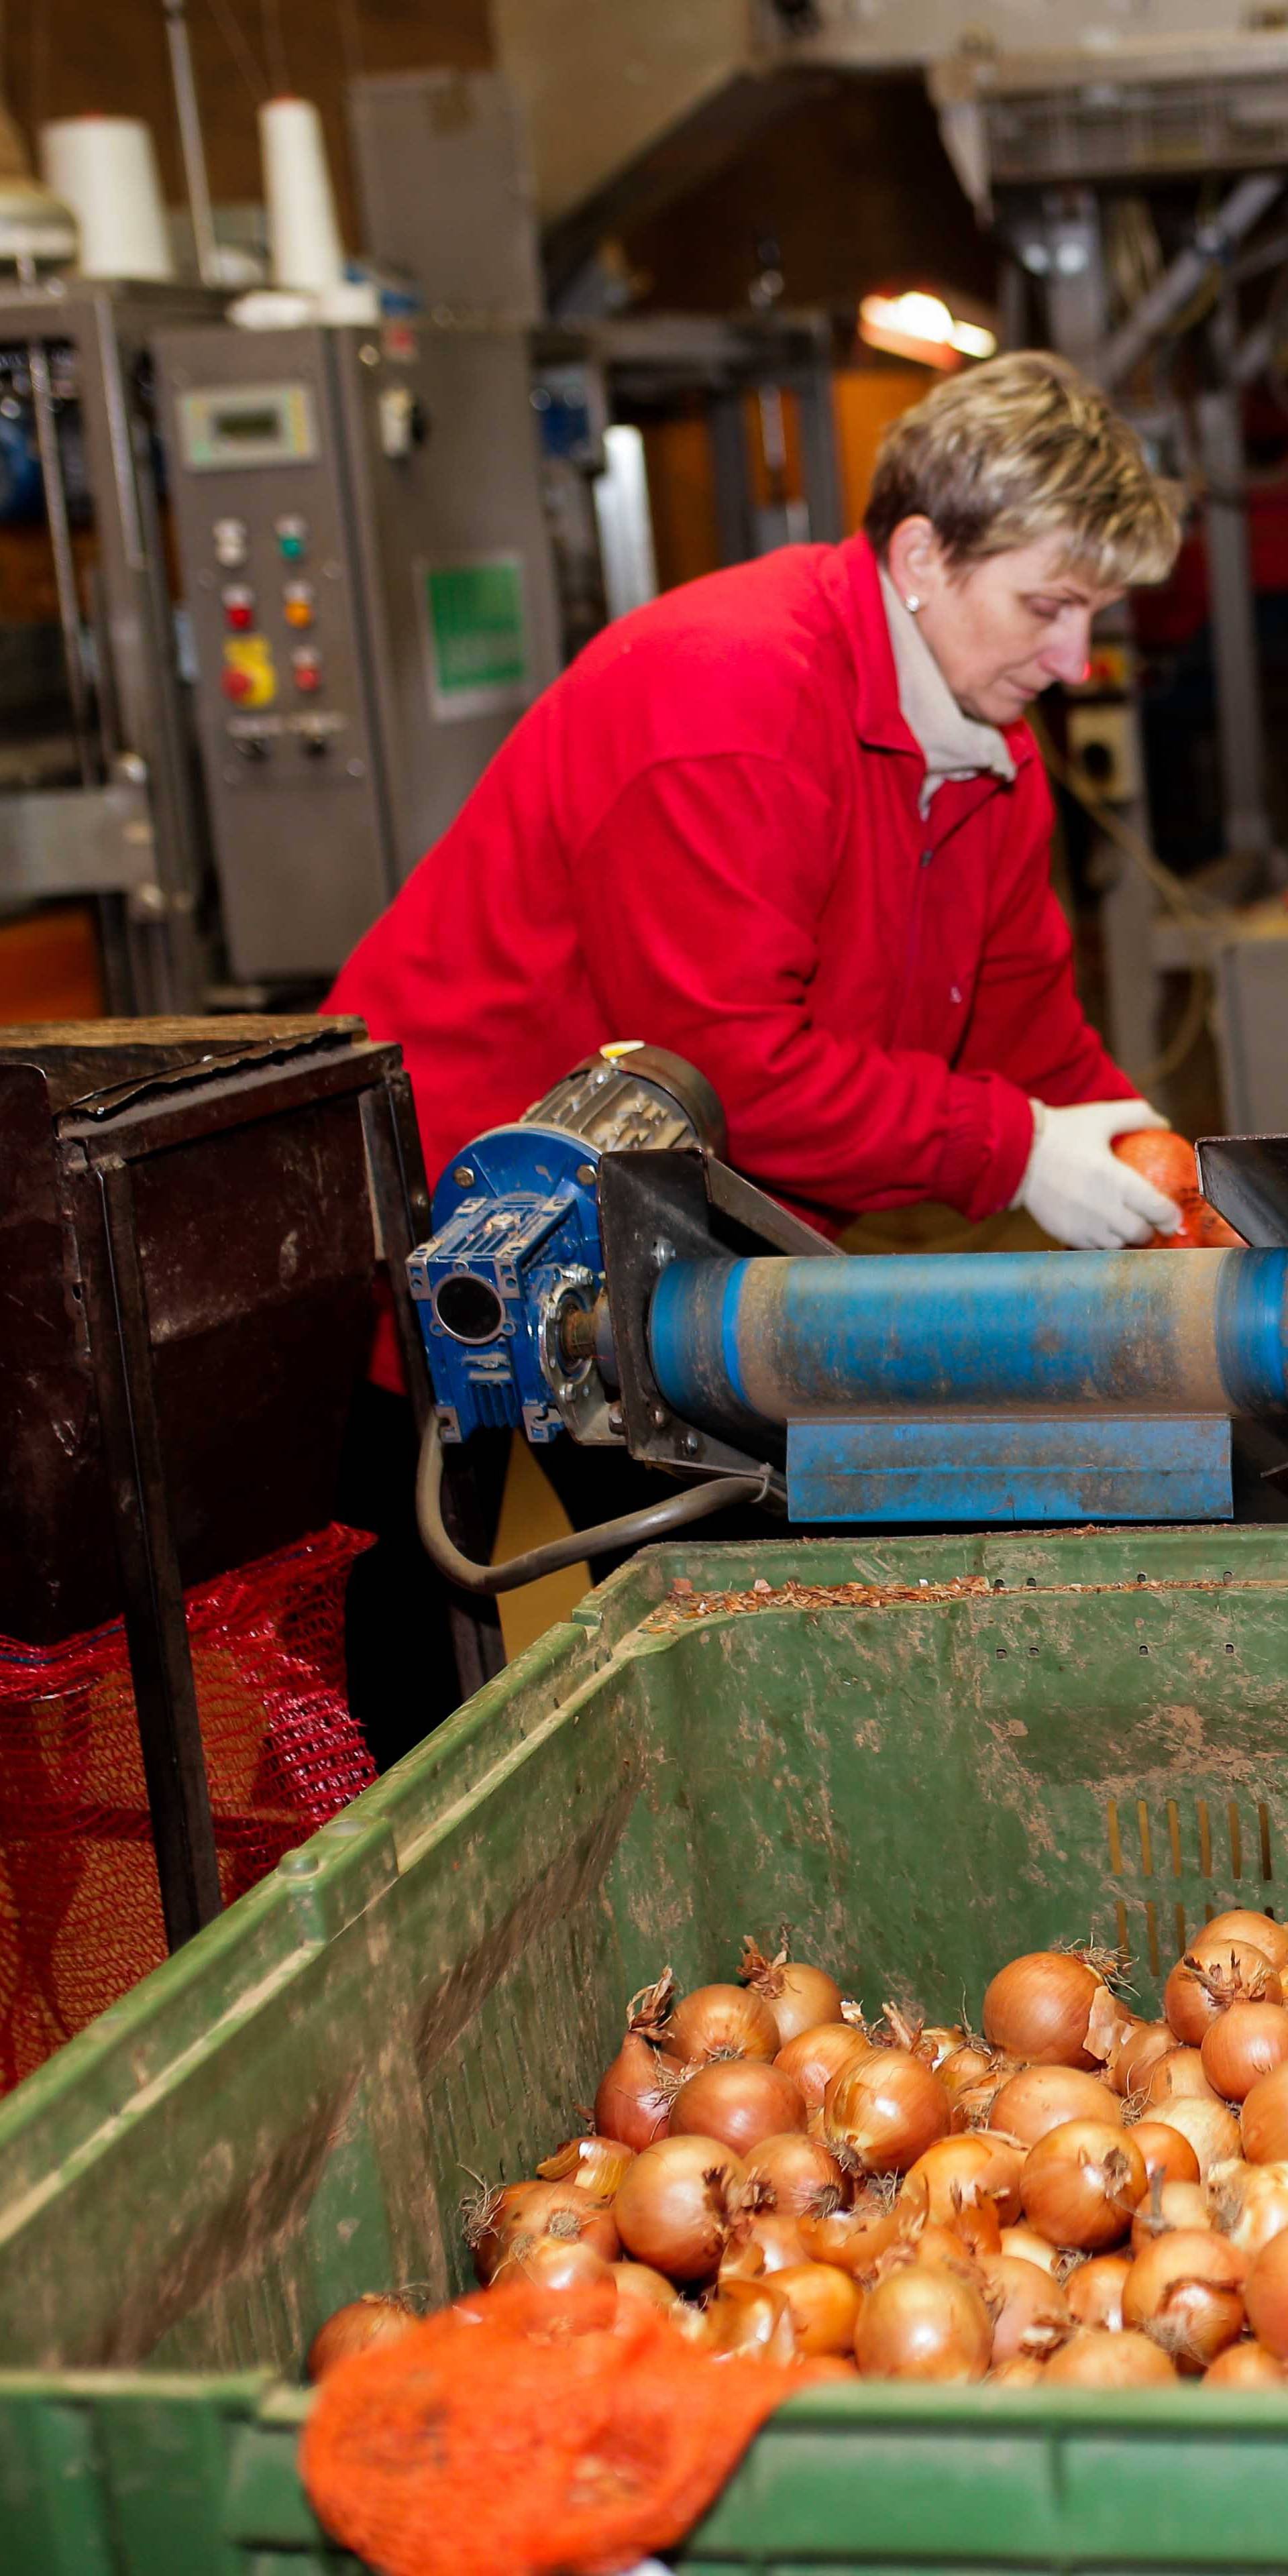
(1072, 2194)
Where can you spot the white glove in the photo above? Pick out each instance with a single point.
(1075, 1185)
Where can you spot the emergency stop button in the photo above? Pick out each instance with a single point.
(236, 684)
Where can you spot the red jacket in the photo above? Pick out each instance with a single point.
(706, 835)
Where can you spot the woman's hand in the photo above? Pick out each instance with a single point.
(1077, 1189)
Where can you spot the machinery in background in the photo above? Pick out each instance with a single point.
(597, 1268)
(369, 580)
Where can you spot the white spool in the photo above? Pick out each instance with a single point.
(303, 234)
(105, 169)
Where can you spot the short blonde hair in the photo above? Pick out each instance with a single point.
(1020, 449)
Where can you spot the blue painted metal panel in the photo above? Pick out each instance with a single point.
(1022, 1469)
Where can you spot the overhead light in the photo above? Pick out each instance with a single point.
(920, 326)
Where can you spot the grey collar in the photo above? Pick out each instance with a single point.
(953, 744)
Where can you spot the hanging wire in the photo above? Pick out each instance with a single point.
(238, 46)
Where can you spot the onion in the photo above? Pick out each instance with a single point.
(374, 2318)
(1029, 2310)
(750, 2317)
(1185, 2291)
(853, 2239)
(761, 2242)
(1081, 2183)
(798, 1997)
(553, 2263)
(523, 2213)
(1245, 2365)
(937, 2041)
(1022, 2372)
(1169, 2205)
(639, 2281)
(1091, 2359)
(675, 2206)
(1095, 2292)
(923, 2322)
(1038, 2008)
(1138, 2049)
(488, 2218)
(824, 2305)
(883, 2112)
(1211, 2128)
(958, 2173)
(1260, 1929)
(1178, 2077)
(1249, 2041)
(800, 2176)
(1249, 2203)
(1044, 2097)
(973, 2106)
(1166, 2152)
(970, 2066)
(633, 2103)
(1264, 2128)
(739, 2100)
(1031, 2248)
(1212, 1976)
(721, 2021)
(817, 2055)
(1266, 2295)
(594, 2165)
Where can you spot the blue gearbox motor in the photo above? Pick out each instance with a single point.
(508, 1287)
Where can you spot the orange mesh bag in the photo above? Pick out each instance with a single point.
(80, 1909)
(530, 2431)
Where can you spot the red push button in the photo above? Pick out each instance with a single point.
(308, 672)
(239, 607)
(236, 684)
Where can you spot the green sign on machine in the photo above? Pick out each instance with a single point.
(478, 639)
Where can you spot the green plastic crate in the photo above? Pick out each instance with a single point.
(1090, 1736)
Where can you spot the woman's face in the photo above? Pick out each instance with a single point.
(1001, 630)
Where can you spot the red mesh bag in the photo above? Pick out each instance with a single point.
(529, 2431)
(80, 1909)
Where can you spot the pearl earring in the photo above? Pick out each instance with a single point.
(912, 604)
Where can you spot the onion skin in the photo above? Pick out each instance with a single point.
(800, 2175)
(761, 2244)
(675, 2207)
(356, 2327)
(1044, 2097)
(1266, 2296)
(884, 2112)
(923, 2322)
(799, 1997)
(960, 2172)
(594, 2165)
(554, 2263)
(1091, 2359)
(1245, 2365)
(721, 2021)
(640, 2281)
(824, 2306)
(1265, 2120)
(1166, 2152)
(1211, 2128)
(1249, 2204)
(1082, 2183)
(853, 2239)
(1094, 2292)
(817, 2055)
(1170, 2206)
(1212, 1976)
(740, 2100)
(1030, 2311)
(526, 2213)
(1179, 2077)
(1029, 2247)
(970, 2066)
(1185, 2292)
(1260, 1929)
(1022, 2372)
(1136, 2052)
(1038, 2008)
(750, 2317)
(1247, 2042)
(633, 2103)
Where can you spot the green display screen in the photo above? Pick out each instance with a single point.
(478, 632)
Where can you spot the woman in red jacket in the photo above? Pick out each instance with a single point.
(788, 822)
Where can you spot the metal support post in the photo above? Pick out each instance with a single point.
(1240, 726)
(734, 521)
(820, 463)
(1243, 208)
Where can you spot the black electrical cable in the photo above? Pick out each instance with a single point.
(633, 1529)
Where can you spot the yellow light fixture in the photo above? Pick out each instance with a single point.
(919, 326)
